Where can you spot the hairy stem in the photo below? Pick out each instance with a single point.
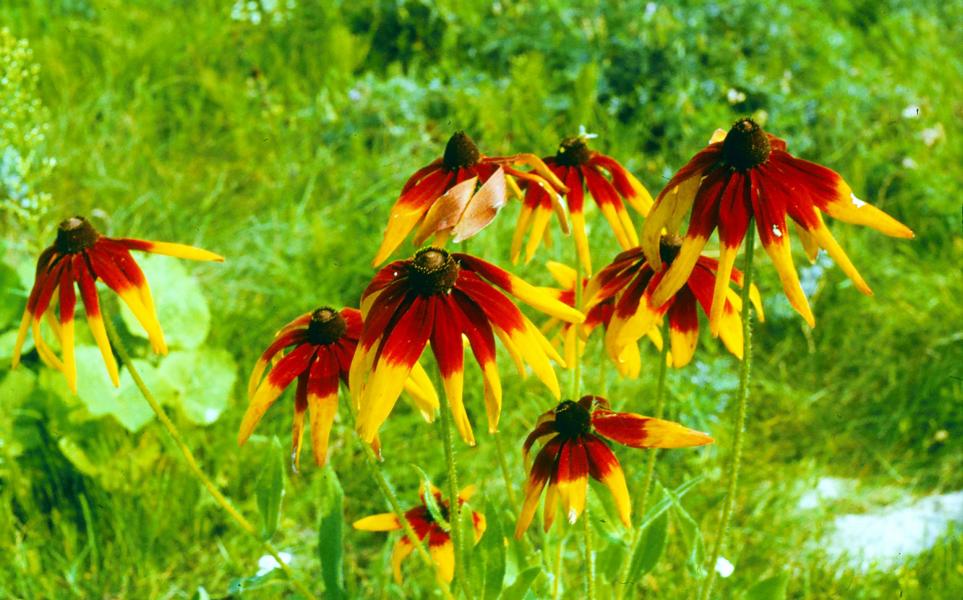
(740, 422)
(650, 462)
(454, 508)
(374, 467)
(175, 433)
(589, 557)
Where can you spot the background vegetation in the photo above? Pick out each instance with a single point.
(279, 133)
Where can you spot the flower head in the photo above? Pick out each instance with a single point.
(81, 255)
(574, 450)
(320, 346)
(581, 168)
(458, 194)
(628, 282)
(748, 174)
(427, 527)
(572, 336)
(437, 298)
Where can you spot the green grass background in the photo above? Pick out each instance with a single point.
(282, 145)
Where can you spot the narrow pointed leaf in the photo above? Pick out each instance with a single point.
(651, 545)
(269, 488)
(771, 588)
(430, 502)
(331, 535)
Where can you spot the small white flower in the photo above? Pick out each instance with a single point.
(267, 563)
(723, 567)
(911, 112)
(734, 96)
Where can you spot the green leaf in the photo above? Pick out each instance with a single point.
(200, 382)
(430, 502)
(12, 297)
(17, 387)
(331, 535)
(247, 584)
(269, 488)
(124, 403)
(492, 549)
(692, 538)
(523, 583)
(651, 545)
(181, 307)
(771, 588)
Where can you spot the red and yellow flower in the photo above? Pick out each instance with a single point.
(458, 194)
(629, 282)
(573, 336)
(573, 450)
(425, 526)
(80, 255)
(437, 298)
(748, 174)
(319, 347)
(581, 169)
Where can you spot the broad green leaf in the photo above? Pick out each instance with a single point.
(430, 502)
(492, 549)
(124, 403)
(651, 545)
(16, 387)
(181, 307)
(269, 488)
(523, 583)
(771, 588)
(331, 534)
(200, 381)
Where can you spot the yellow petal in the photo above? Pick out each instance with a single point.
(182, 251)
(679, 271)
(379, 522)
(781, 257)
(727, 258)
(827, 241)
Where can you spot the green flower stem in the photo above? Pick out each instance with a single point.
(374, 467)
(454, 508)
(739, 426)
(589, 556)
(175, 433)
(503, 466)
(650, 461)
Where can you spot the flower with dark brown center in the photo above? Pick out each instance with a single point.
(747, 174)
(318, 348)
(437, 298)
(458, 194)
(608, 183)
(80, 256)
(574, 450)
(627, 285)
(426, 528)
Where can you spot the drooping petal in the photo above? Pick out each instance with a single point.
(409, 209)
(674, 202)
(88, 293)
(446, 344)
(604, 467)
(280, 377)
(475, 326)
(541, 471)
(638, 431)
(609, 203)
(115, 279)
(399, 350)
(446, 210)
(683, 328)
(289, 338)
(379, 522)
(68, 300)
(571, 477)
(170, 249)
(825, 239)
(322, 399)
(442, 552)
(627, 185)
(297, 425)
(539, 298)
(419, 387)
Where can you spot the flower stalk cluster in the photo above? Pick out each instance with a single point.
(742, 184)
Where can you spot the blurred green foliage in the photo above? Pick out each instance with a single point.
(280, 141)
